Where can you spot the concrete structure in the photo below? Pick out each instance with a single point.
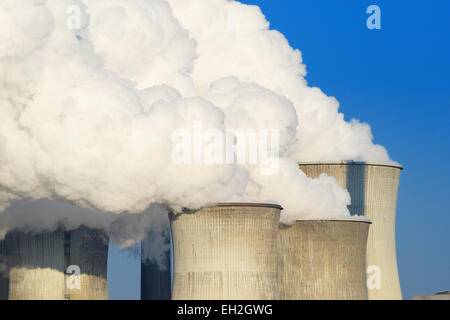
(323, 259)
(89, 251)
(437, 296)
(226, 252)
(4, 281)
(373, 188)
(155, 279)
(38, 265)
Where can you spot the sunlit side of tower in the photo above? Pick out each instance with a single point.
(323, 259)
(226, 252)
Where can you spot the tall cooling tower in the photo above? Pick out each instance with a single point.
(226, 252)
(88, 251)
(4, 281)
(323, 259)
(155, 276)
(36, 266)
(373, 189)
(58, 265)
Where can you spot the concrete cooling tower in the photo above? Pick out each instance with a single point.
(445, 295)
(155, 277)
(4, 281)
(226, 252)
(373, 189)
(323, 260)
(89, 251)
(60, 265)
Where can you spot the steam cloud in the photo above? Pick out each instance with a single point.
(87, 114)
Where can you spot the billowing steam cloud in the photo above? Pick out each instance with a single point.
(234, 40)
(88, 113)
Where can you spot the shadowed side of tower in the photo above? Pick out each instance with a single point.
(4, 280)
(89, 251)
(58, 265)
(36, 266)
(155, 276)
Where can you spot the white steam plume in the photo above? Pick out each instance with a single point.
(87, 115)
(124, 230)
(234, 39)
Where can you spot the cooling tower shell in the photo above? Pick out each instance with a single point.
(323, 260)
(438, 296)
(373, 189)
(38, 264)
(89, 251)
(4, 280)
(226, 252)
(155, 279)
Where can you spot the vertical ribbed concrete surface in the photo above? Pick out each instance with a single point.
(4, 281)
(226, 252)
(323, 259)
(155, 279)
(373, 188)
(37, 264)
(89, 251)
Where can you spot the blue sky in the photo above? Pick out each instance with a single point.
(397, 80)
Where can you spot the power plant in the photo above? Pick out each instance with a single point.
(323, 259)
(228, 251)
(231, 251)
(61, 265)
(373, 189)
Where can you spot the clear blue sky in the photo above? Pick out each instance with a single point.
(398, 80)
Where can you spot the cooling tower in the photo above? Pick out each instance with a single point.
(36, 266)
(4, 281)
(155, 276)
(373, 188)
(88, 251)
(226, 252)
(323, 259)
(60, 265)
(437, 296)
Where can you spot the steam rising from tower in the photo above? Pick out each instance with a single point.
(89, 111)
(373, 188)
(85, 118)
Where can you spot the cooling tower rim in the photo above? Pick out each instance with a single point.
(248, 204)
(442, 293)
(364, 220)
(351, 162)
